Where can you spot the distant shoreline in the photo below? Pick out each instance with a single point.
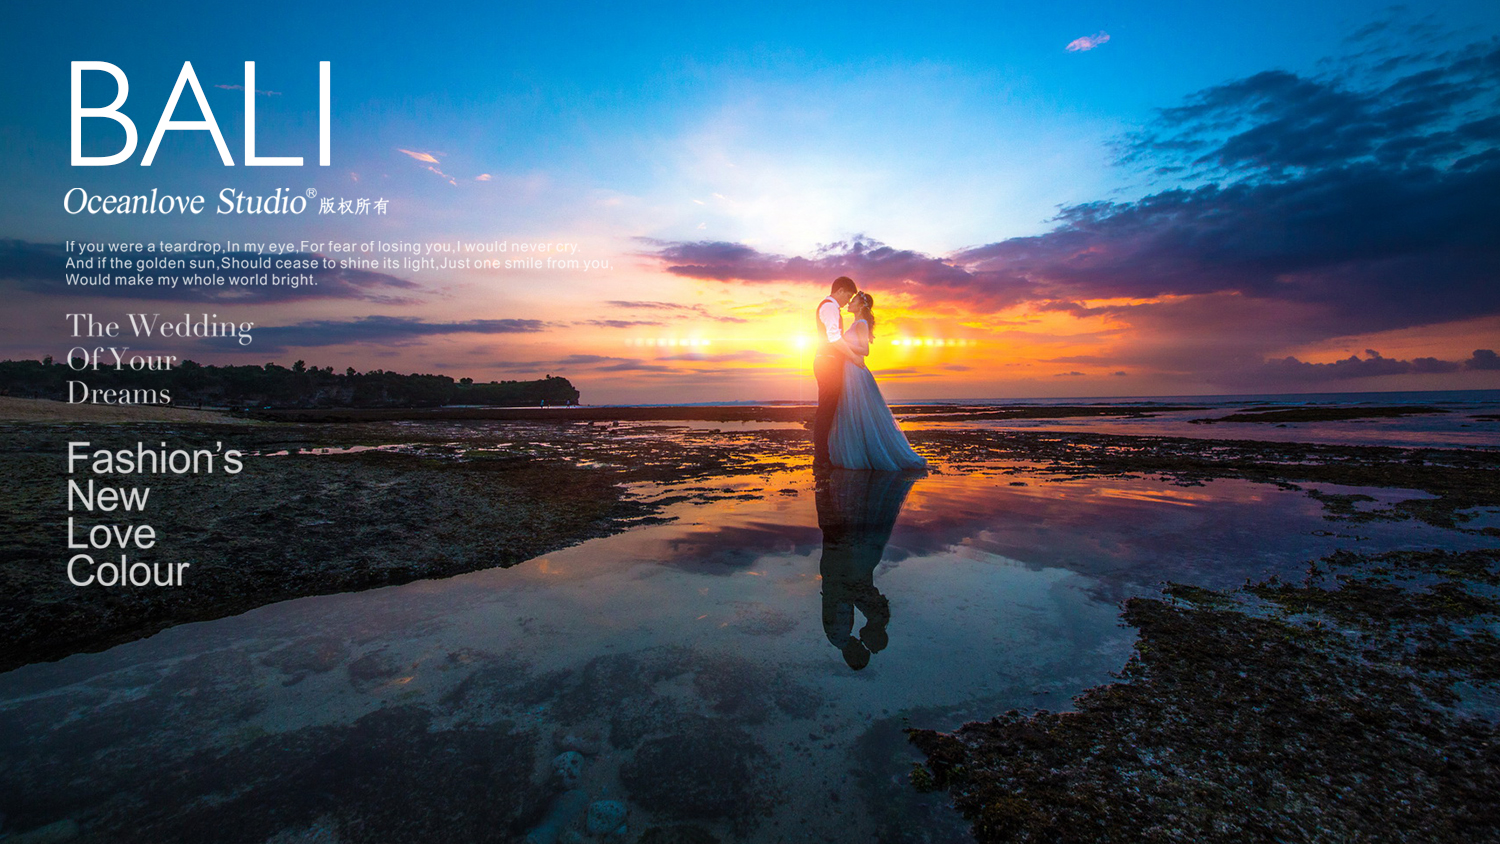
(693, 413)
(14, 409)
(1244, 409)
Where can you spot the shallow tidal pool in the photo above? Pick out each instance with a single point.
(741, 671)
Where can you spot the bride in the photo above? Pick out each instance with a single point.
(865, 435)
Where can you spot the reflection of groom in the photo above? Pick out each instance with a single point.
(857, 511)
(828, 364)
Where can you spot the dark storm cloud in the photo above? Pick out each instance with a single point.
(42, 268)
(379, 330)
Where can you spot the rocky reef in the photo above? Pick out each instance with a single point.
(1357, 705)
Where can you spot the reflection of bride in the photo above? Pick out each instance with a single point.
(865, 434)
(856, 512)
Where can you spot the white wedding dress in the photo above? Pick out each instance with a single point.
(865, 435)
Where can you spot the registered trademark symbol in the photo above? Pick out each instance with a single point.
(312, 192)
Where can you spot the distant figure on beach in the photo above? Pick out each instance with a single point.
(856, 512)
(854, 427)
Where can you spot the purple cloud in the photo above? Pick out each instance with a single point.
(872, 264)
(677, 307)
(1330, 209)
(1373, 364)
(378, 330)
(1483, 359)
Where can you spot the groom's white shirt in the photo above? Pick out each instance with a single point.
(828, 314)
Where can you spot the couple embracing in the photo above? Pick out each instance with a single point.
(853, 429)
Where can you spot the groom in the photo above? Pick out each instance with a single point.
(828, 364)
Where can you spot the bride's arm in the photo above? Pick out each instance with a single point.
(855, 343)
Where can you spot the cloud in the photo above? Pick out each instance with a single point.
(697, 365)
(1087, 42)
(1483, 359)
(420, 156)
(869, 262)
(617, 323)
(605, 363)
(1438, 111)
(744, 356)
(696, 310)
(1098, 360)
(483, 177)
(659, 306)
(242, 87)
(379, 330)
(1348, 207)
(1362, 247)
(42, 268)
(431, 162)
(1373, 364)
(1306, 209)
(1398, 28)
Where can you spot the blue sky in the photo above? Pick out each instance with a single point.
(590, 96)
(779, 127)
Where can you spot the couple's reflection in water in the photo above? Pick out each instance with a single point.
(856, 512)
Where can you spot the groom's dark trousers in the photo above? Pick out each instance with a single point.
(829, 369)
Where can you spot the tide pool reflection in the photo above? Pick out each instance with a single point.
(856, 512)
(679, 654)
